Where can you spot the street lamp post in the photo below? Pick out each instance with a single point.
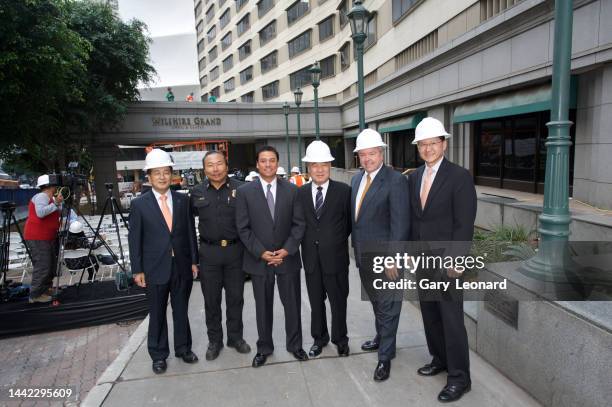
(286, 113)
(315, 70)
(298, 101)
(359, 17)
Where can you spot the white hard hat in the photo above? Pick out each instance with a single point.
(429, 128)
(43, 180)
(76, 227)
(158, 158)
(281, 171)
(250, 177)
(368, 138)
(295, 169)
(316, 152)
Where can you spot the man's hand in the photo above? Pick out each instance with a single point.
(391, 273)
(278, 257)
(195, 270)
(139, 279)
(58, 199)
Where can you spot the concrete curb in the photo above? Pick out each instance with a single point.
(98, 393)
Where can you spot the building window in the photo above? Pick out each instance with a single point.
(300, 78)
(299, 43)
(215, 92)
(326, 28)
(210, 13)
(201, 46)
(342, 12)
(228, 63)
(268, 62)
(267, 33)
(264, 6)
(297, 10)
(240, 4)
(226, 41)
(246, 75)
(212, 54)
(211, 34)
(371, 38)
(247, 97)
(328, 67)
(204, 80)
(243, 25)
(225, 18)
(214, 73)
(200, 27)
(270, 90)
(198, 9)
(202, 64)
(228, 85)
(244, 50)
(345, 56)
(401, 8)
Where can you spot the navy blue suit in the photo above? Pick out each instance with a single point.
(165, 257)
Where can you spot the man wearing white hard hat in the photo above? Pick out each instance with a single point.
(297, 178)
(327, 212)
(40, 235)
(380, 213)
(443, 206)
(164, 258)
(281, 172)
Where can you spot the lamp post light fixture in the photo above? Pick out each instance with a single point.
(359, 17)
(298, 101)
(286, 113)
(315, 71)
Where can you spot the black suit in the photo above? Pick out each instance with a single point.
(165, 257)
(260, 233)
(449, 215)
(326, 259)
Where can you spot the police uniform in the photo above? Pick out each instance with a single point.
(220, 258)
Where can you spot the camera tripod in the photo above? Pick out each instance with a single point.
(8, 213)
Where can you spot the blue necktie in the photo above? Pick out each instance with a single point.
(270, 199)
(319, 202)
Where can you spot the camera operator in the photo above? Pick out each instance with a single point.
(40, 233)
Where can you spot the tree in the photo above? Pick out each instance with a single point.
(68, 70)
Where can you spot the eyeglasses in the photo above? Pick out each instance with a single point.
(423, 146)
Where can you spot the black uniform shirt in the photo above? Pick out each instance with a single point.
(216, 209)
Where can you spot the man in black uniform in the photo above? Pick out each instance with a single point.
(214, 201)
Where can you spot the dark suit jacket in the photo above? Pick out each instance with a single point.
(385, 212)
(326, 238)
(151, 243)
(450, 210)
(259, 232)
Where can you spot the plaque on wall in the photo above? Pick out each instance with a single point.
(503, 306)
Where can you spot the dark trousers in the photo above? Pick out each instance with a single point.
(225, 273)
(289, 292)
(336, 288)
(179, 290)
(447, 338)
(386, 321)
(44, 263)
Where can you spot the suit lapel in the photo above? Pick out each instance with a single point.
(437, 184)
(280, 196)
(309, 203)
(156, 209)
(371, 193)
(417, 189)
(354, 190)
(177, 200)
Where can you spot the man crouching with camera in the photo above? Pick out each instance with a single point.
(41, 237)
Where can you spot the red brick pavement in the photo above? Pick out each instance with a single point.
(75, 358)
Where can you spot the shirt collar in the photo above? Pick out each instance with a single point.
(325, 185)
(436, 166)
(373, 173)
(224, 185)
(265, 184)
(157, 194)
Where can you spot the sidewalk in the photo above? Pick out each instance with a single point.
(326, 381)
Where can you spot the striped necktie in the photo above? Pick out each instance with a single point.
(319, 202)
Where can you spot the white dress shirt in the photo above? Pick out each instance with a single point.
(435, 168)
(362, 185)
(325, 185)
(159, 202)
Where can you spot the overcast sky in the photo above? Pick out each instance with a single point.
(163, 17)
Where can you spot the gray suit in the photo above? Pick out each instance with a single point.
(259, 233)
(384, 216)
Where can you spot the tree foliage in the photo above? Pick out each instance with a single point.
(68, 69)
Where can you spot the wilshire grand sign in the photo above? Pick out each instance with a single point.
(185, 122)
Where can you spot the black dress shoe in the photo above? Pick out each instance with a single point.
(383, 370)
(370, 346)
(159, 366)
(430, 370)
(213, 350)
(343, 350)
(188, 357)
(315, 350)
(259, 359)
(240, 345)
(300, 355)
(453, 392)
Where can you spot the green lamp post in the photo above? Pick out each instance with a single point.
(298, 101)
(315, 71)
(359, 17)
(286, 113)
